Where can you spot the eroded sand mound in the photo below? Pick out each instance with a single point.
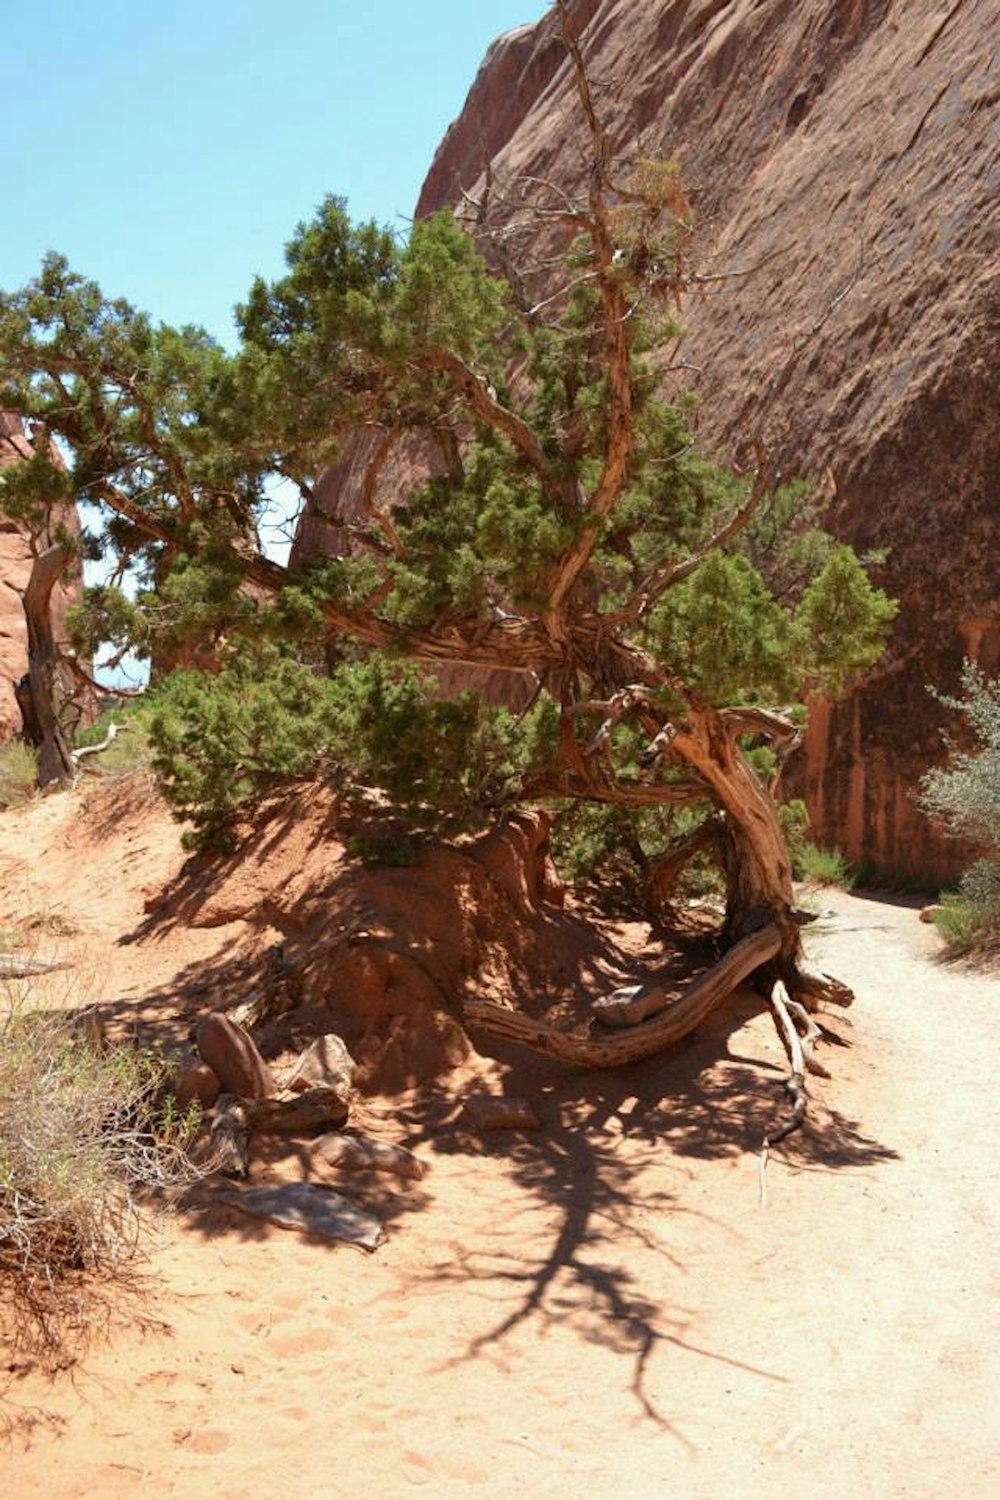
(384, 955)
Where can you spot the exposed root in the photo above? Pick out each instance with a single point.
(813, 989)
(782, 1009)
(649, 1037)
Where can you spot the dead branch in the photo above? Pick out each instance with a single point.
(649, 1037)
(795, 1083)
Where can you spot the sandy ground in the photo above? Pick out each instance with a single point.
(601, 1307)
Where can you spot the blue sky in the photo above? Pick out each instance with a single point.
(169, 149)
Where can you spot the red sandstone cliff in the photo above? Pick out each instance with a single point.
(855, 142)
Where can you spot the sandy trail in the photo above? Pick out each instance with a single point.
(604, 1306)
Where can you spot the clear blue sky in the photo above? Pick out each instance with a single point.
(170, 148)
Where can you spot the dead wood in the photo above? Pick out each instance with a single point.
(795, 1083)
(229, 1138)
(287, 1113)
(646, 1039)
(14, 966)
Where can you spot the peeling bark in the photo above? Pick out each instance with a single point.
(55, 760)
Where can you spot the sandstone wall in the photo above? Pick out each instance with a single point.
(852, 147)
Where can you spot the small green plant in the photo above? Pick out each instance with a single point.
(969, 919)
(396, 850)
(18, 773)
(965, 797)
(85, 1135)
(818, 866)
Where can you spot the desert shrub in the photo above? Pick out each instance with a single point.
(822, 866)
(964, 795)
(18, 773)
(84, 1135)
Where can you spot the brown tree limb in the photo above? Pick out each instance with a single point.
(55, 762)
(649, 1037)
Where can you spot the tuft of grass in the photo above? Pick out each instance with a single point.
(18, 773)
(86, 1135)
(967, 924)
(819, 866)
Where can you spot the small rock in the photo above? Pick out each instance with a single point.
(233, 1057)
(497, 1112)
(325, 1062)
(929, 913)
(359, 1153)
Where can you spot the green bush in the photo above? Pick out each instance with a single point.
(821, 866)
(965, 797)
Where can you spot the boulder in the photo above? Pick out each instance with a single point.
(194, 1081)
(233, 1057)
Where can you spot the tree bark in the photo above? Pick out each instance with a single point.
(55, 761)
(672, 1025)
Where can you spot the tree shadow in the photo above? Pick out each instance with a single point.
(608, 1168)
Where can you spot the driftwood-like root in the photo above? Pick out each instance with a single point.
(814, 989)
(795, 1083)
(649, 1037)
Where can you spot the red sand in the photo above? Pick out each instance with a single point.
(600, 1307)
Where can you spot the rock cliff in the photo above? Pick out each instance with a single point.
(845, 154)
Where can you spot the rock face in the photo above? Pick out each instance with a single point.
(15, 568)
(849, 150)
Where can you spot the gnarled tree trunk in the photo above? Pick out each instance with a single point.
(55, 761)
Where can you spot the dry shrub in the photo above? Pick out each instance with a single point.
(86, 1137)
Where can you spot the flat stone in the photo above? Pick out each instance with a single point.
(233, 1056)
(498, 1112)
(359, 1153)
(310, 1208)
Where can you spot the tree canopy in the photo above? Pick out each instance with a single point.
(556, 526)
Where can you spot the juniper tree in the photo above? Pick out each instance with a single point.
(559, 528)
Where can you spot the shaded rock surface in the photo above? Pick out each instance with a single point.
(233, 1057)
(849, 150)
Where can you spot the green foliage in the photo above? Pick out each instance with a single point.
(965, 796)
(393, 850)
(722, 631)
(819, 866)
(840, 623)
(174, 441)
(969, 919)
(266, 718)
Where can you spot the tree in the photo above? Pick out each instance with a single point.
(560, 529)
